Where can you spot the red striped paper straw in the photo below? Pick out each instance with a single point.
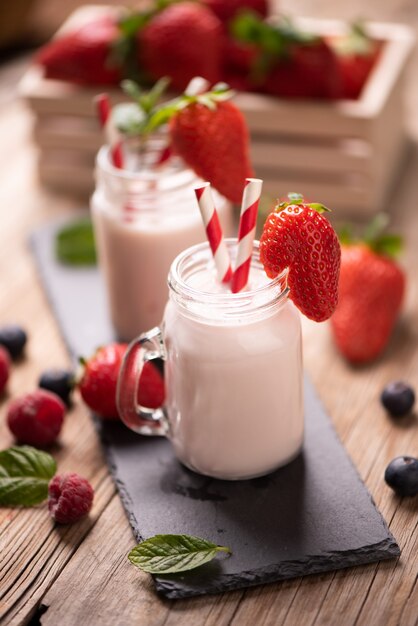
(103, 108)
(246, 233)
(214, 233)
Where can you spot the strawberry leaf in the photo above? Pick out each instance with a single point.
(390, 245)
(170, 554)
(319, 208)
(25, 473)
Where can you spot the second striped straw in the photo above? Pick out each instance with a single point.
(246, 233)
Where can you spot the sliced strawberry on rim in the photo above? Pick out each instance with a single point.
(298, 237)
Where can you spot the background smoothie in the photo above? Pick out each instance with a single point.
(141, 224)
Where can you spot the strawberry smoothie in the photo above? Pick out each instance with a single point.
(142, 221)
(233, 371)
(233, 374)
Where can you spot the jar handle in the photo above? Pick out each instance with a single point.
(143, 420)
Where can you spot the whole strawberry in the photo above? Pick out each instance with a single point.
(99, 378)
(84, 55)
(226, 10)
(356, 55)
(298, 237)
(308, 70)
(4, 368)
(36, 418)
(289, 62)
(371, 291)
(214, 143)
(70, 498)
(181, 42)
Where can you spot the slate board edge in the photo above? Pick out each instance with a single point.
(391, 539)
(317, 564)
(46, 289)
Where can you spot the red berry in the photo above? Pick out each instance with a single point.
(99, 381)
(297, 237)
(182, 41)
(151, 391)
(307, 71)
(83, 55)
(70, 497)
(371, 292)
(199, 136)
(36, 418)
(4, 368)
(226, 10)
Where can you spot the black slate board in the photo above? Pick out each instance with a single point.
(311, 516)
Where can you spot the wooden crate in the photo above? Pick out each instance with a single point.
(344, 153)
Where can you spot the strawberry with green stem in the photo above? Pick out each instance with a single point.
(357, 54)
(371, 292)
(206, 130)
(289, 62)
(298, 237)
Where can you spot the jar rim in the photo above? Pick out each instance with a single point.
(146, 176)
(262, 297)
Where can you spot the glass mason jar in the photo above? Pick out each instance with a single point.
(233, 371)
(142, 220)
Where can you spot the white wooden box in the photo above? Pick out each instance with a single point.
(344, 153)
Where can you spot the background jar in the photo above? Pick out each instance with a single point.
(142, 220)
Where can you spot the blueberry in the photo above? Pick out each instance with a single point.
(402, 475)
(60, 382)
(398, 398)
(13, 338)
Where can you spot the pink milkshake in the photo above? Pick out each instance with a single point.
(142, 221)
(233, 370)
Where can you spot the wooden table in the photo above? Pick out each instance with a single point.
(79, 574)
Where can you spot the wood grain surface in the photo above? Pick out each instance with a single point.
(80, 574)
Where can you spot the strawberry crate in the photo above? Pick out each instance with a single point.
(344, 153)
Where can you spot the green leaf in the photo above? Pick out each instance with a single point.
(169, 554)
(319, 208)
(24, 476)
(74, 244)
(388, 244)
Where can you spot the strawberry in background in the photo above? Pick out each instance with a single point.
(226, 10)
(289, 62)
(206, 130)
(356, 54)
(371, 292)
(182, 41)
(83, 56)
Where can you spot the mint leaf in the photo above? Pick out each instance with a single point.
(169, 554)
(24, 476)
(74, 244)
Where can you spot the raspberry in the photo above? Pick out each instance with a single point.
(70, 497)
(4, 368)
(36, 418)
